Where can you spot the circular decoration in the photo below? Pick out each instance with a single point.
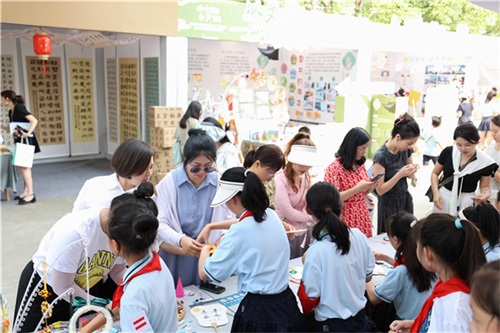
(262, 78)
(284, 67)
(292, 87)
(293, 59)
(272, 82)
(293, 74)
(180, 311)
(86, 308)
(283, 81)
(291, 101)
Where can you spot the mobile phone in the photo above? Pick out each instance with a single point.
(213, 288)
(377, 177)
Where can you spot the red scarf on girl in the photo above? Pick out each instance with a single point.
(441, 289)
(153, 265)
(397, 263)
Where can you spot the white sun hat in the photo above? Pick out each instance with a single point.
(226, 191)
(304, 155)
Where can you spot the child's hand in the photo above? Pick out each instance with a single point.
(204, 234)
(400, 326)
(190, 247)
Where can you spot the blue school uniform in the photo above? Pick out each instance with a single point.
(398, 288)
(148, 300)
(339, 280)
(259, 254)
(492, 254)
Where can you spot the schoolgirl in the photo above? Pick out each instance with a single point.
(408, 285)
(394, 158)
(336, 267)
(451, 248)
(486, 218)
(256, 249)
(485, 299)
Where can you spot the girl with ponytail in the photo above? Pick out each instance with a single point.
(336, 267)
(256, 249)
(449, 247)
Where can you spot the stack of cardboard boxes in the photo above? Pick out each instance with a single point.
(163, 123)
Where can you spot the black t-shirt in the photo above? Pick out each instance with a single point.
(20, 113)
(467, 183)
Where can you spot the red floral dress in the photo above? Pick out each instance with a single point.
(355, 210)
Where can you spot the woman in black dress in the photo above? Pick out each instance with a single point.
(19, 113)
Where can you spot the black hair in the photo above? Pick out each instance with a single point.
(485, 288)
(270, 156)
(216, 123)
(305, 129)
(492, 94)
(193, 111)
(406, 127)
(459, 249)
(132, 157)
(348, 149)
(436, 121)
(496, 120)
(323, 200)
(486, 218)
(467, 131)
(400, 225)
(133, 220)
(254, 196)
(199, 143)
(10, 94)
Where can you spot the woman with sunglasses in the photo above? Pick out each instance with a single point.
(183, 198)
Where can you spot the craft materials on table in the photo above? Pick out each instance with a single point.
(294, 231)
(231, 300)
(380, 270)
(210, 314)
(180, 311)
(296, 272)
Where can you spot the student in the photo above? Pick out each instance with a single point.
(190, 119)
(451, 248)
(432, 145)
(304, 129)
(485, 299)
(256, 249)
(336, 266)
(494, 152)
(394, 158)
(408, 285)
(487, 220)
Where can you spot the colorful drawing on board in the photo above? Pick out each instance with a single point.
(262, 61)
(283, 81)
(292, 87)
(284, 67)
(272, 82)
(293, 59)
(293, 73)
(291, 101)
(198, 77)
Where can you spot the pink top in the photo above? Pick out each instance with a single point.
(290, 205)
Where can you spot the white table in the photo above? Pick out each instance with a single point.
(378, 243)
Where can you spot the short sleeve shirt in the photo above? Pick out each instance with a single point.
(392, 164)
(19, 114)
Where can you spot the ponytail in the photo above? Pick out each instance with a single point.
(254, 197)
(487, 219)
(10, 94)
(406, 127)
(323, 200)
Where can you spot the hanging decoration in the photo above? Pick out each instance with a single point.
(43, 47)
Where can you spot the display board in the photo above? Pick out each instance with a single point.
(128, 93)
(82, 104)
(112, 99)
(9, 82)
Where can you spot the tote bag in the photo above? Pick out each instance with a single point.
(23, 154)
(176, 149)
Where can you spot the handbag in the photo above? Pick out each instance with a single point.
(176, 149)
(23, 154)
(441, 183)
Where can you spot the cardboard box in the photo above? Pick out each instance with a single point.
(156, 177)
(162, 137)
(162, 116)
(163, 159)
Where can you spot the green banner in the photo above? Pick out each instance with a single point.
(380, 121)
(152, 87)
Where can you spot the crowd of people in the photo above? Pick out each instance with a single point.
(248, 217)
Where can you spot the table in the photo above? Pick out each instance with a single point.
(378, 243)
(9, 174)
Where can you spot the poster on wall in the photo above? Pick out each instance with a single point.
(7, 84)
(46, 99)
(112, 100)
(129, 98)
(152, 87)
(82, 99)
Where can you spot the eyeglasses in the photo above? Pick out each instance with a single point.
(207, 169)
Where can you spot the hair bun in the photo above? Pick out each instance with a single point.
(145, 190)
(196, 132)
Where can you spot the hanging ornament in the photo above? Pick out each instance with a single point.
(44, 293)
(43, 47)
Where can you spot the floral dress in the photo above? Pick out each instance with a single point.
(355, 210)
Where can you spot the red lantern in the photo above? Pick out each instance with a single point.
(43, 47)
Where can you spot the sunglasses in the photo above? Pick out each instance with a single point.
(207, 169)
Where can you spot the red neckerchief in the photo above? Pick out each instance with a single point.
(246, 214)
(441, 289)
(397, 263)
(153, 265)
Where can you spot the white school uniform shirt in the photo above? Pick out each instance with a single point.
(98, 192)
(451, 313)
(340, 280)
(491, 254)
(257, 252)
(150, 294)
(398, 288)
(54, 249)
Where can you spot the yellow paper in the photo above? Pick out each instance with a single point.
(413, 98)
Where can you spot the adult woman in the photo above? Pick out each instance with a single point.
(348, 174)
(464, 110)
(488, 110)
(190, 119)
(227, 153)
(133, 164)
(394, 159)
(19, 113)
(183, 198)
(291, 187)
(61, 255)
(494, 152)
(463, 166)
